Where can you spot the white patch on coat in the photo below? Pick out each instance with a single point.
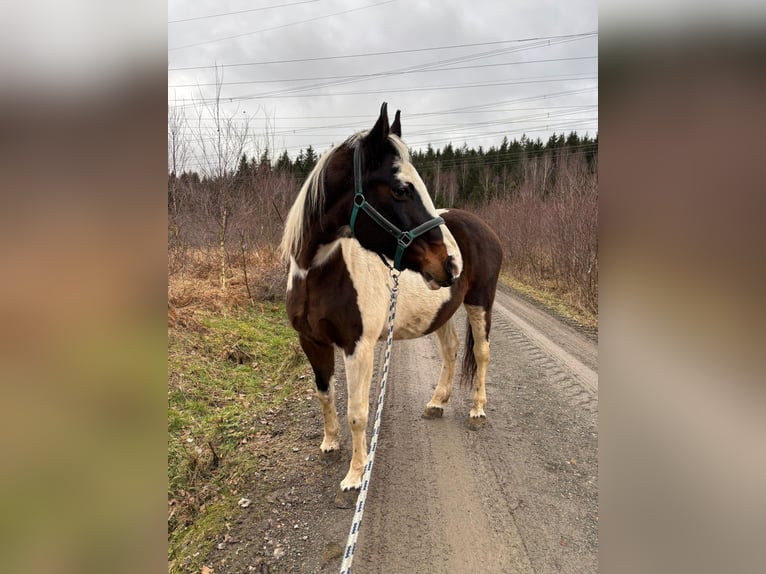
(295, 271)
(323, 254)
(416, 308)
(417, 305)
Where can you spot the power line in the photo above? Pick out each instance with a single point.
(364, 76)
(240, 12)
(508, 157)
(410, 116)
(432, 129)
(390, 52)
(459, 137)
(433, 64)
(476, 108)
(481, 107)
(539, 116)
(393, 90)
(279, 27)
(484, 107)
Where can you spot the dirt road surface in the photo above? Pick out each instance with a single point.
(518, 495)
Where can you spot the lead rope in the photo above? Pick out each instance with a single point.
(356, 523)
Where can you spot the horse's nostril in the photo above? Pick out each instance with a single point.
(451, 267)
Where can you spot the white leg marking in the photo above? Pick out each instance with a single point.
(330, 415)
(359, 378)
(476, 316)
(448, 344)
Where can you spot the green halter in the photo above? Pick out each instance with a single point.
(403, 238)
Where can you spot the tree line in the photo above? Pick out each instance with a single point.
(455, 176)
(541, 198)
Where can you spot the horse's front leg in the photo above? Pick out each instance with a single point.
(358, 377)
(322, 359)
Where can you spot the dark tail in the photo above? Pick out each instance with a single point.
(468, 375)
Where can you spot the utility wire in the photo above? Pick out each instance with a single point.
(239, 12)
(394, 90)
(373, 75)
(390, 52)
(388, 73)
(434, 64)
(410, 116)
(279, 27)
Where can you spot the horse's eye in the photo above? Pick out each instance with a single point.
(402, 191)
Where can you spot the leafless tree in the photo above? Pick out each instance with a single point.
(178, 155)
(220, 145)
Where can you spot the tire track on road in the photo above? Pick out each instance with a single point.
(576, 380)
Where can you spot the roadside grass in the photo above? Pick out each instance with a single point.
(549, 299)
(217, 411)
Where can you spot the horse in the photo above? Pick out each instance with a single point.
(342, 237)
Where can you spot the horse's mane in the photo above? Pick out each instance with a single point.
(308, 204)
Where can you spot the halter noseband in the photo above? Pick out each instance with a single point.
(403, 238)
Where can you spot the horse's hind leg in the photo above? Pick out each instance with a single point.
(322, 359)
(358, 377)
(448, 344)
(480, 324)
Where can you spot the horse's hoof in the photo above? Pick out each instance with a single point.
(353, 479)
(345, 498)
(329, 447)
(475, 423)
(349, 485)
(333, 454)
(433, 413)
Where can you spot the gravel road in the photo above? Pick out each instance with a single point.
(518, 495)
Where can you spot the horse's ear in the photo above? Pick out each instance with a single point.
(376, 139)
(396, 127)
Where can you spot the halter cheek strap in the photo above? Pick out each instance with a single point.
(403, 238)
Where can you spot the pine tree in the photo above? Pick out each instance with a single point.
(284, 164)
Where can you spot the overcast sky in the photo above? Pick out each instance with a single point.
(540, 55)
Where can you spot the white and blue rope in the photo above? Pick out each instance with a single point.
(356, 523)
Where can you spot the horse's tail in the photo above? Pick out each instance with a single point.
(468, 375)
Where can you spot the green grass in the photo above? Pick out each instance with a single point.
(215, 414)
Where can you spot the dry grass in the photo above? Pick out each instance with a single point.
(257, 277)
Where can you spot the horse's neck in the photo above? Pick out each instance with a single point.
(328, 227)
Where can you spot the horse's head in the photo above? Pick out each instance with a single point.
(388, 185)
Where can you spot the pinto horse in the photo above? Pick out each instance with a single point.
(341, 236)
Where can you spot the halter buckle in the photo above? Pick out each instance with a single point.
(405, 239)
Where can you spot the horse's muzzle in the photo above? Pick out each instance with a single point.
(451, 272)
(452, 269)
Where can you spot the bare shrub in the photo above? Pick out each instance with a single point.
(550, 232)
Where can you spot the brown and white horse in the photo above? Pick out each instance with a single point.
(338, 284)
